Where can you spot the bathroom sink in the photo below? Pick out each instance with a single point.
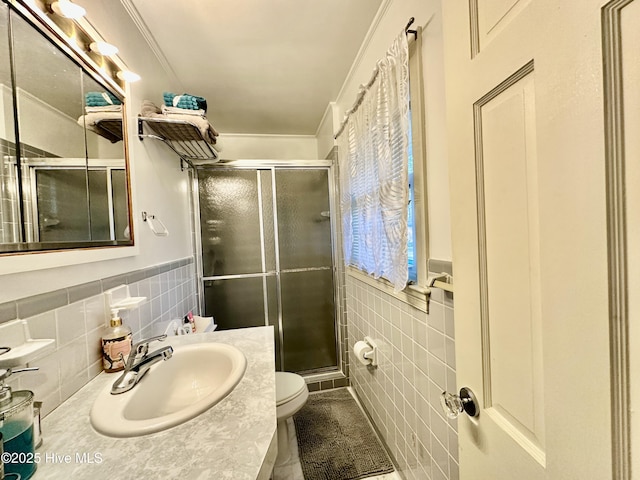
(194, 379)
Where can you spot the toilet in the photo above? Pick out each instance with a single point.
(291, 395)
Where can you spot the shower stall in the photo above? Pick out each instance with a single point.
(267, 256)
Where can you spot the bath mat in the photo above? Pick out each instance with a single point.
(335, 441)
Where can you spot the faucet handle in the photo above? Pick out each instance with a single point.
(139, 350)
(147, 341)
(142, 347)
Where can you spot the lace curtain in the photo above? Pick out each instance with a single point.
(373, 158)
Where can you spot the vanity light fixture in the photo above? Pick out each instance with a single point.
(103, 48)
(68, 9)
(128, 76)
(67, 16)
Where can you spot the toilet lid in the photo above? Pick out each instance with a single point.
(288, 386)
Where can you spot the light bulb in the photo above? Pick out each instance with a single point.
(103, 48)
(68, 9)
(128, 76)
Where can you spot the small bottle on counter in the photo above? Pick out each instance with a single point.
(190, 321)
(116, 344)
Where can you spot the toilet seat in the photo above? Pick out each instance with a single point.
(288, 387)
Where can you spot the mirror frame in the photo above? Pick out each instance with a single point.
(57, 30)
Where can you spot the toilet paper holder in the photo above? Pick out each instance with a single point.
(373, 354)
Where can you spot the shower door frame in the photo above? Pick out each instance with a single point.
(273, 165)
(37, 165)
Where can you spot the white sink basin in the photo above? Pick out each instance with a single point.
(194, 379)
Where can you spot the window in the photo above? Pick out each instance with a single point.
(382, 170)
(418, 242)
(411, 216)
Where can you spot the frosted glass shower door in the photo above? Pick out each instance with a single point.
(306, 269)
(267, 258)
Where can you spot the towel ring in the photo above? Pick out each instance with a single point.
(151, 221)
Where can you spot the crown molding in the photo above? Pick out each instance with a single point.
(142, 27)
(382, 10)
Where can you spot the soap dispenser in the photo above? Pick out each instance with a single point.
(116, 344)
(16, 427)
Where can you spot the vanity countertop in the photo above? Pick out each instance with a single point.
(235, 439)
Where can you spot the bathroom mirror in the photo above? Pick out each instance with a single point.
(63, 177)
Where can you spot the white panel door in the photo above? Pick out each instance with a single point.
(526, 148)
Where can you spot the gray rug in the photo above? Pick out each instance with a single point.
(335, 440)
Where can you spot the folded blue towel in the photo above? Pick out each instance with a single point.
(101, 99)
(102, 96)
(186, 101)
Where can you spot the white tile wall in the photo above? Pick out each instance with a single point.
(77, 329)
(417, 363)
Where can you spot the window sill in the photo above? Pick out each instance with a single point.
(413, 295)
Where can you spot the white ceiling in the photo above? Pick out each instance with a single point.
(264, 66)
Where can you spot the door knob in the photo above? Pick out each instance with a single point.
(453, 405)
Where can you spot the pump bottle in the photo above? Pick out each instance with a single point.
(116, 344)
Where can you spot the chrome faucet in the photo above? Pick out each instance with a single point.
(139, 363)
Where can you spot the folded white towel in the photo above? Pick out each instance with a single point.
(149, 109)
(182, 111)
(90, 119)
(109, 108)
